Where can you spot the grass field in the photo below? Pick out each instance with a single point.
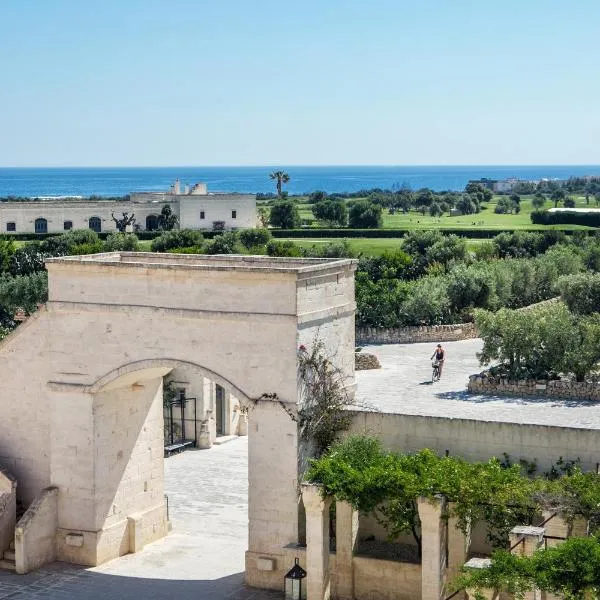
(486, 219)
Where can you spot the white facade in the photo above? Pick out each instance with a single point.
(195, 208)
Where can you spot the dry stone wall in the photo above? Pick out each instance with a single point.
(409, 335)
(484, 383)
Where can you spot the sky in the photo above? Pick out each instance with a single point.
(305, 82)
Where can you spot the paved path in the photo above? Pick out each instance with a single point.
(202, 558)
(403, 385)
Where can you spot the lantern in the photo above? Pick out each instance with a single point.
(295, 587)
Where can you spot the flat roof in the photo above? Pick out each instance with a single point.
(219, 262)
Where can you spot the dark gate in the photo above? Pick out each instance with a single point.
(175, 438)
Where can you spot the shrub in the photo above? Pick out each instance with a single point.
(226, 243)
(564, 217)
(7, 249)
(28, 259)
(251, 238)
(283, 248)
(581, 292)
(80, 249)
(178, 238)
(379, 303)
(427, 302)
(333, 213)
(23, 291)
(392, 264)
(121, 241)
(285, 215)
(330, 250)
(365, 214)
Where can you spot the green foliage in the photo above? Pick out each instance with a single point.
(285, 214)
(283, 248)
(280, 177)
(167, 220)
(23, 291)
(539, 343)
(566, 217)
(581, 292)
(365, 214)
(7, 249)
(178, 238)
(27, 260)
(332, 213)
(251, 238)
(127, 242)
(226, 243)
(571, 570)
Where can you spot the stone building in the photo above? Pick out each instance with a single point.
(195, 208)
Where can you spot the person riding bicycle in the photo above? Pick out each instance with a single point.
(440, 356)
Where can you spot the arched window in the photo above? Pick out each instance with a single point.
(151, 223)
(95, 224)
(11, 226)
(67, 225)
(41, 226)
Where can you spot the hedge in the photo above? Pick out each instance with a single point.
(567, 217)
(391, 233)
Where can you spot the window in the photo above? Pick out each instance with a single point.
(234, 214)
(95, 224)
(151, 223)
(67, 225)
(41, 226)
(202, 214)
(11, 226)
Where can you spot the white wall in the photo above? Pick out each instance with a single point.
(217, 207)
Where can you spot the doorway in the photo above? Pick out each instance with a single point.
(220, 405)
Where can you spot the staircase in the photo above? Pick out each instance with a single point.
(8, 559)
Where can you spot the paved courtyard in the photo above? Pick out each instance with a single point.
(403, 385)
(202, 558)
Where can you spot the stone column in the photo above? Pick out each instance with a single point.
(433, 546)
(524, 541)
(317, 543)
(346, 536)
(458, 547)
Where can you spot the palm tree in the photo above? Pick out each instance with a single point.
(281, 177)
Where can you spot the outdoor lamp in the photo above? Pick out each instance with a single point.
(295, 588)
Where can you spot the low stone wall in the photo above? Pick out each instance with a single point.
(35, 535)
(484, 383)
(8, 510)
(409, 335)
(376, 579)
(364, 361)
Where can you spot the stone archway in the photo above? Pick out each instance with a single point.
(96, 354)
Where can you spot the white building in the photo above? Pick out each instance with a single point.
(195, 208)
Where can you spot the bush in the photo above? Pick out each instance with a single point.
(581, 292)
(332, 213)
(27, 260)
(80, 249)
(427, 302)
(23, 291)
(565, 217)
(251, 238)
(121, 241)
(283, 248)
(393, 264)
(226, 243)
(329, 250)
(285, 215)
(178, 238)
(365, 214)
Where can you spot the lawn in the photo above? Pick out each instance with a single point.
(486, 219)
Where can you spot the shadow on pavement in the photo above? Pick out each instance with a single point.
(65, 582)
(465, 396)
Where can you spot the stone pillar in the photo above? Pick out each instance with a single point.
(243, 424)
(346, 536)
(317, 543)
(433, 546)
(524, 541)
(480, 563)
(458, 547)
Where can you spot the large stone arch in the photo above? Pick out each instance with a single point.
(114, 324)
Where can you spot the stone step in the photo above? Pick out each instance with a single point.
(223, 439)
(8, 565)
(9, 555)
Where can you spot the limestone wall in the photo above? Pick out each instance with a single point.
(409, 335)
(482, 440)
(484, 383)
(218, 207)
(8, 510)
(376, 579)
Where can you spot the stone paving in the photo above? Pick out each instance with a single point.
(202, 558)
(403, 385)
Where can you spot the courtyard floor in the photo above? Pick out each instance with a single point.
(202, 558)
(403, 385)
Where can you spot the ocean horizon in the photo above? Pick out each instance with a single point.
(118, 181)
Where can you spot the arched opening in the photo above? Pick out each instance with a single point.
(151, 223)
(95, 224)
(41, 225)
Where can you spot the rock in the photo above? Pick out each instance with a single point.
(364, 361)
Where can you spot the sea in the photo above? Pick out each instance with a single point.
(118, 181)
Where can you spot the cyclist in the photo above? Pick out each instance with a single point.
(440, 356)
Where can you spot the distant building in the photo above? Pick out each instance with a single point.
(194, 206)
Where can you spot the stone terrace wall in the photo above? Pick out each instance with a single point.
(487, 384)
(409, 335)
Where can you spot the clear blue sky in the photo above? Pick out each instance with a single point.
(234, 82)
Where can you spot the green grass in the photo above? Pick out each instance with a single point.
(486, 219)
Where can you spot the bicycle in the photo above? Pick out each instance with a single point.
(435, 375)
